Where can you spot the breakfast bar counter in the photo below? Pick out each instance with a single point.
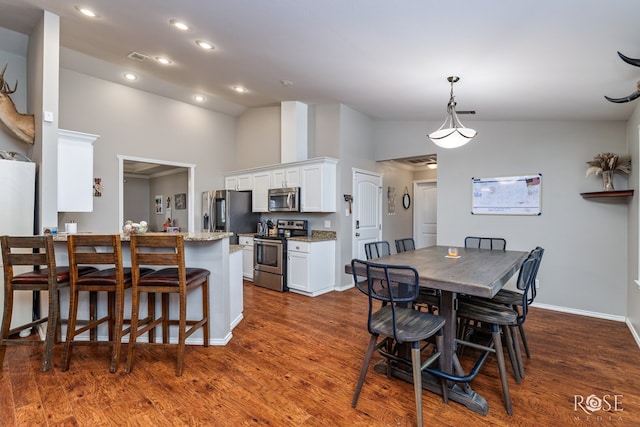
(203, 250)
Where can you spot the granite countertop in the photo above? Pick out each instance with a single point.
(316, 236)
(188, 237)
(235, 248)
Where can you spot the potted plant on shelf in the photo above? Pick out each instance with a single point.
(606, 164)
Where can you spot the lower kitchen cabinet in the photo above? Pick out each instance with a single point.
(247, 257)
(311, 267)
(236, 292)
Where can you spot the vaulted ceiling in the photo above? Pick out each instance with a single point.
(518, 60)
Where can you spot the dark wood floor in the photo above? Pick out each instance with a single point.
(294, 361)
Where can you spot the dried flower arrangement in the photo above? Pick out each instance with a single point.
(606, 164)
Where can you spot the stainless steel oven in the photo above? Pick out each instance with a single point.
(270, 254)
(269, 262)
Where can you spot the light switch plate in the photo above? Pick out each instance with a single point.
(327, 223)
(48, 116)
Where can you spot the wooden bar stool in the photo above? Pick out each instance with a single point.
(97, 250)
(172, 278)
(33, 252)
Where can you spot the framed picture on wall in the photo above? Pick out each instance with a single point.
(181, 201)
(159, 207)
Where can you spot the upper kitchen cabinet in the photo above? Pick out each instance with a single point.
(285, 177)
(260, 194)
(318, 186)
(239, 182)
(75, 171)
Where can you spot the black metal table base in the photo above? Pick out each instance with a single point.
(463, 395)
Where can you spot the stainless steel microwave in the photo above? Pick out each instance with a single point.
(284, 199)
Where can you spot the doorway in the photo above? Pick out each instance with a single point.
(158, 167)
(425, 213)
(367, 210)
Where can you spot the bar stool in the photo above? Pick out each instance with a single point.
(166, 251)
(97, 250)
(51, 279)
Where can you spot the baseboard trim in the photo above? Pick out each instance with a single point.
(586, 313)
(634, 333)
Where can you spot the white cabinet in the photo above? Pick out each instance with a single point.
(236, 291)
(75, 171)
(285, 177)
(239, 182)
(247, 256)
(311, 267)
(260, 194)
(318, 186)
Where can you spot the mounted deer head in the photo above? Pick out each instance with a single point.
(22, 126)
(634, 95)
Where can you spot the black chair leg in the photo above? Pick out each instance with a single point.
(497, 343)
(365, 367)
(417, 380)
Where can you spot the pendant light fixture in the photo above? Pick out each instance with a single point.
(452, 133)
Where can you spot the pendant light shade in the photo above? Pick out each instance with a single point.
(452, 133)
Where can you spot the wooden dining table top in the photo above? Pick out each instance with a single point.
(479, 272)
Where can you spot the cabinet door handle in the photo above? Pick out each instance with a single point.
(357, 234)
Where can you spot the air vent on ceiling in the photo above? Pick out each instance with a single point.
(137, 56)
(466, 112)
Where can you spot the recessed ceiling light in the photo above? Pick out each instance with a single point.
(432, 165)
(286, 83)
(205, 45)
(199, 98)
(130, 76)
(240, 89)
(180, 25)
(86, 11)
(163, 60)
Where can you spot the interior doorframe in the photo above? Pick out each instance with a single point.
(191, 177)
(415, 203)
(354, 242)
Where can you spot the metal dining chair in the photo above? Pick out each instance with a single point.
(377, 249)
(499, 319)
(397, 322)
(493, 243)
(406, 244)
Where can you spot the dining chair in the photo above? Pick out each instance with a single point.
(427, 298)
(406, 244)
(397, 322)
(172, 277)
(377, 249)
(499, 319)
(521, 300)
(493, 243)
(113, 279)
(33, 252)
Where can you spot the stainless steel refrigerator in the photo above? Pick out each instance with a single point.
(17, 192)
(228, 210)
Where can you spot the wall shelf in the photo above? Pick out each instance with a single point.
(607, 194)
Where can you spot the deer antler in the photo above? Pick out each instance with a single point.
(22, 126)
(4, 86)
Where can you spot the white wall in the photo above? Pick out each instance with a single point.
(633, 291)
(583, 269)
(257, 139)
(139, 124)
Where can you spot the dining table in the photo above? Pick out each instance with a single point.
(473, 271)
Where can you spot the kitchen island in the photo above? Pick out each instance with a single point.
(203, 250)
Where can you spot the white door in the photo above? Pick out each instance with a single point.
(367, 210)
(425, 216)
